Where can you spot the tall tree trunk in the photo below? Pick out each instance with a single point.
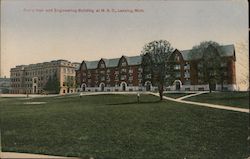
(210, 87)
(160, 87)
(222, 85)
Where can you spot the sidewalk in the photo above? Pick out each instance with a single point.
(12, 155)
(216, 106)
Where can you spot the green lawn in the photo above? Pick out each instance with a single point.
(176, 95)
(116, 127)
(236, 99)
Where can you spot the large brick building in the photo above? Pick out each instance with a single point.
(116, 74)
(31, 79)
(126, 73)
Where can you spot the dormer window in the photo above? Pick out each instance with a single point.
(177, 58)
(102, 65)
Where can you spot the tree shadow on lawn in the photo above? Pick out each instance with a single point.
(135, 102)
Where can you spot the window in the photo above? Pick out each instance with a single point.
(123, 77)
(102, 72)
(102, 65)
(123, 70)
(177, 74)
(187, 66)
(124, 63)
(116, 77)
(177, 58)
(102, 78)
(130, 70)
(177, 67)
(148, 76)
(187, 75)
(139, 69)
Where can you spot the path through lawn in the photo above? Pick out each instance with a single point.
(236, 99)
(116, 126)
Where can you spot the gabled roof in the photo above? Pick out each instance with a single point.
(132, 60)
(228, 49)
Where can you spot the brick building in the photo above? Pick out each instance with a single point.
(126, 73)
(118, 74)
(31, 79)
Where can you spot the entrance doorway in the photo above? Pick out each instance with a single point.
(177, 85)
(102, 86)
(34, 89)
(124, 85)
(83, 87)
(148, 86)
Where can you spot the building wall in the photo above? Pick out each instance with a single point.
(111, 78)
(31, 79)
(186, 76)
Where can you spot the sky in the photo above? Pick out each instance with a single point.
(35, 31)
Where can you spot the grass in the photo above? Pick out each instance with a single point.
(117, 127)
(176, 95)
(235, 99)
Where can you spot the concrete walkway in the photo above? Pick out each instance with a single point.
(191, 95)
(216, 106)
(180, 100)
(11, 155)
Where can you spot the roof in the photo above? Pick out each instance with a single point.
(92, 64)
(111, 62)
(134, 60)
(77, 67)
(227, 49)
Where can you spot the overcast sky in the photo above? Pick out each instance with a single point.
(34, 31)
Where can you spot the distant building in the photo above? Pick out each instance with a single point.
(32, 79)
(4, 85)
(126, 73)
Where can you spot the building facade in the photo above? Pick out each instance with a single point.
(118, 74)
(32, 79)
(4, 85)
(127, 74)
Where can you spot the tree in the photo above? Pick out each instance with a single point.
(154, 62)
(52, 85)
(70, 82)
(209, 60)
